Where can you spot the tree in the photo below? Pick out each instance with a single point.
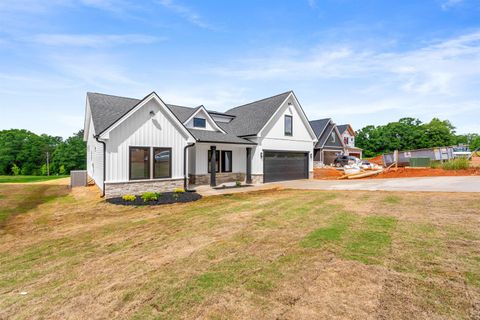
(71, 154)
(409, 134)
(475, 143)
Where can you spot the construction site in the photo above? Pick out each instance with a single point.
(405, 164)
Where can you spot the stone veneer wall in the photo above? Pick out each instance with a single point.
(318, 164)
(118, 189)
(222, 177)
(257, 178)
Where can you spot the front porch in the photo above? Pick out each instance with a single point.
(215, 164)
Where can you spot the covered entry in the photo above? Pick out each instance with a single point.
(278, 166)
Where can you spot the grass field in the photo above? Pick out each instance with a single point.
(24, 179)
(283, 254)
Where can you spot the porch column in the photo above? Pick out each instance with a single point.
(249, 166)
(213, 160)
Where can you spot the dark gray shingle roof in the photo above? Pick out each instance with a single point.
(216, 136)
(341, 128)
(107, 109)
(250, 118)
(319, 126)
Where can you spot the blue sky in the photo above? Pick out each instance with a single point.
(359, 62)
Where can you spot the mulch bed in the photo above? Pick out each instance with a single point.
(164, 198)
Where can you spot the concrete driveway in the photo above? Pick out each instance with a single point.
(436, 184)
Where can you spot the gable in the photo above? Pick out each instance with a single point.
(201, 113)
(275, 127)
(334, 139)
(150, 102)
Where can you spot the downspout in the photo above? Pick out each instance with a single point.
(104, 163)
(185, 185)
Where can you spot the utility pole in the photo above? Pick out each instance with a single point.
(48, 163)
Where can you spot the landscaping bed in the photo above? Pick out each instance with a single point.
(162, 198)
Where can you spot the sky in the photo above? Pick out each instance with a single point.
(358, 62)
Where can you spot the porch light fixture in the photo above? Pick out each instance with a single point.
(310, 155)
(261, 155)
(152, 113)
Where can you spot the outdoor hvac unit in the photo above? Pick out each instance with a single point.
(78, 178)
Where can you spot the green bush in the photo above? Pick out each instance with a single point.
(129, 197)
(238, 184)
(15, 170)
(455, 164)
(150, 196)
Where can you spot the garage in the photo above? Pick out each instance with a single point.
(280, 166)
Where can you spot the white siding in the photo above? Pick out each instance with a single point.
(94, 157)
(273, 136)
(239, 157)
(208, 123)
(143, 130)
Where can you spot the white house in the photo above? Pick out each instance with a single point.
(138, 145)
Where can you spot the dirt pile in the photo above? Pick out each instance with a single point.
(326, 173)
(377, 160)
(425, 172)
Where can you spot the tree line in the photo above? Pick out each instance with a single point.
(23, 152)
(411, 134)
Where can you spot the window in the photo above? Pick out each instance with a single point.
(332, 137)
(217, 160)
(139, 163)
(226, 161)
(345, 140)
(199, 123)
(288, 125)
(162, 163)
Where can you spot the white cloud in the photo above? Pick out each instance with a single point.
(450, 3)
(185, 12)
(93, 40)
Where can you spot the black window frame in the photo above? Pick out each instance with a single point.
(223, 160)
(169, 162)
(285, 125)
(199, 126)
(217, 161)
(149, 173)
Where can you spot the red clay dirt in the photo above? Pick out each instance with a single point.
(332, 174)
(326, 173)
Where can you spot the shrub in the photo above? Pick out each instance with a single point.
(15, 170)
(238, 184)
(62, 170)
(178, 190)
(149, 196)
(129, 197)
(456, 164)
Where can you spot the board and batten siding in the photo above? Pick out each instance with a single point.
(143, 130)
(94, 157)
(273, 137)
(239, 157)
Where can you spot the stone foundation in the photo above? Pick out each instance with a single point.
(318, 164)
(221, 177)
(257, 178)
(118, 189)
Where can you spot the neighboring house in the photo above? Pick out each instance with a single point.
(330, 142)
(348, 136)
(138, 145)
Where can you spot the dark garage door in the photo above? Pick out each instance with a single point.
(278, 166)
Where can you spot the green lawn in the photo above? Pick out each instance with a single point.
(286, 254)
(24, 179)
